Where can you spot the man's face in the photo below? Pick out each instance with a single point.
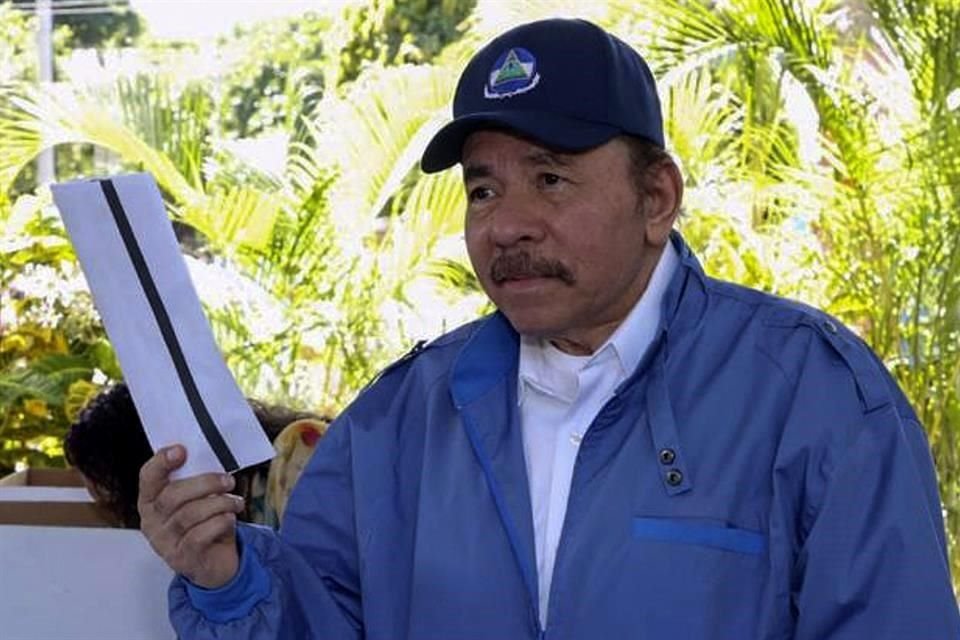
(559, 241)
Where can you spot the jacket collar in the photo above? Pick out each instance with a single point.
(685, 302)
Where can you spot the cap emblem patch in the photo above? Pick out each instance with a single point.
(513, 73)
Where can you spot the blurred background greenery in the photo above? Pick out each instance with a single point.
(820, 140)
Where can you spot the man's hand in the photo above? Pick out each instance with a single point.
(190, 523)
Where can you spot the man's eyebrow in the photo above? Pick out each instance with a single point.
(537, 158)
(547, 158)
(474, 171)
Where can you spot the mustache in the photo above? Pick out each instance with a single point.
(514, 266)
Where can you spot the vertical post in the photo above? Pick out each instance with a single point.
(46, 167)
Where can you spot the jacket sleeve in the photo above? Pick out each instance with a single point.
(873, 563)
(302, 583)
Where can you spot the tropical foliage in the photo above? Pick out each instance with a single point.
(51, 347)
(820, 140)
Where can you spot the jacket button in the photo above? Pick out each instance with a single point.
(830, 326)
(667, 456)
(674, 477)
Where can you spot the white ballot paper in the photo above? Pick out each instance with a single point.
(176, 374)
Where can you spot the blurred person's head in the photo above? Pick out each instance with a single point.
(108, 445)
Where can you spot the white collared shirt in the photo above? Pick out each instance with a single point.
(560, 395)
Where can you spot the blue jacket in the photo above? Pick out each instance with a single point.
(759, 476)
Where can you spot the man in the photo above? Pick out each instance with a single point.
(627, 449)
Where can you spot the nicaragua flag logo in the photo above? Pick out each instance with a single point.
(514, 72)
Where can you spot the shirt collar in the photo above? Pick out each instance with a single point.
(544, 367)
(549, 370)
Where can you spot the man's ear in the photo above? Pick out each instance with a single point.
(663, 195)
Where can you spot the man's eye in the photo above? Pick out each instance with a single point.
(550, 179)
(479, 193)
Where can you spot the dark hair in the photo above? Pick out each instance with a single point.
(273, 417)
(645, 156)
(108, 445)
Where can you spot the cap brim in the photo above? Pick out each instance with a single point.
(557, 132)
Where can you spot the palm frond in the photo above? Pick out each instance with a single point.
(173, 121)
(433, 210)
(41, 117)
(376, 133)
(701, 119)
(455, 275)
(21, 136)
(232, 218)
(927, 38)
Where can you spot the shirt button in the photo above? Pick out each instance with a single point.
(575, 439)
(667, 456)
(674, 477)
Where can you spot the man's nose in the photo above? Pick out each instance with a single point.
(517, 220)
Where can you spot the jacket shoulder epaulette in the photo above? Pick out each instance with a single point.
(863, 365)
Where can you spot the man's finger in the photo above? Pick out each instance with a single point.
(211, 530)
(181, 492)
(156, 471)
(197, 511)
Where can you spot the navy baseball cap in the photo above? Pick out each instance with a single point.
(565, 83)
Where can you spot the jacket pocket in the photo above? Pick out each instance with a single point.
(704, 534)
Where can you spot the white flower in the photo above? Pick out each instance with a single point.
(953, 100)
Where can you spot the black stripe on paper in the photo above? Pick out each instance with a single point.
(207, 426)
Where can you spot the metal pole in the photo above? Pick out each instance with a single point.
(46, 167)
